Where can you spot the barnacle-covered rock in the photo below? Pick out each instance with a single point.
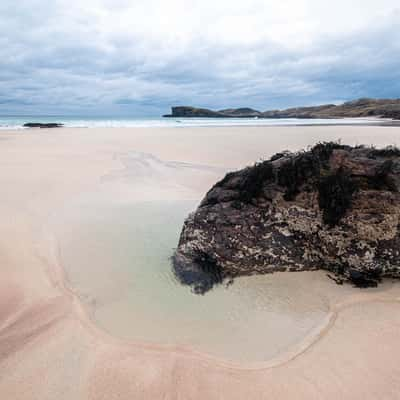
(334, 207)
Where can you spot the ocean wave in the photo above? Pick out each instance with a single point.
(7, 123)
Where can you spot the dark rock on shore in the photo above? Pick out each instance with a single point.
(334, 207)
(383, 108)
(43, 125)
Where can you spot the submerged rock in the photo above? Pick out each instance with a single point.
(334, 207)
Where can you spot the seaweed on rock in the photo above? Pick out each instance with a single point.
(382, 179)
(202, 272)
(335, 193)
(255, 178)
(323, 151)
(389, 151)
(297, 171)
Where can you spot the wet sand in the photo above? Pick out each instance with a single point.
(49, 346)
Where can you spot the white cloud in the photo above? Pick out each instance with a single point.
(116, 55)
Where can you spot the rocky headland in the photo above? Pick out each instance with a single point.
(383, 108)
(194, 112)
(333, 207)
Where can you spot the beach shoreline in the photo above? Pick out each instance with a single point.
(17, 123)
(43, 322)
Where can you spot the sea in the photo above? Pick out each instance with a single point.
(17, 122)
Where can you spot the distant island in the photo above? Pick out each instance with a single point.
(381, 108)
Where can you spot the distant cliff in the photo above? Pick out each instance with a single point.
(384, 108)
(193, 112)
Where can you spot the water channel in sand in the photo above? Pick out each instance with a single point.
(117, 257)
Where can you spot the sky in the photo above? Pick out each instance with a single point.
(140, 57)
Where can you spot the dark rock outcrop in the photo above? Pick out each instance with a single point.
(43, 125)
(193, 112)
(384, 108)
(334, 207)
(240, 112)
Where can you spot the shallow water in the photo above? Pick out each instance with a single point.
(118, 259)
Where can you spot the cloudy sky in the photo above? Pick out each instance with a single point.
(139, 57)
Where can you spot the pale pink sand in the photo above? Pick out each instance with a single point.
(50, 349)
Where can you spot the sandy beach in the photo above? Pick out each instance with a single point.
(50, 345)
